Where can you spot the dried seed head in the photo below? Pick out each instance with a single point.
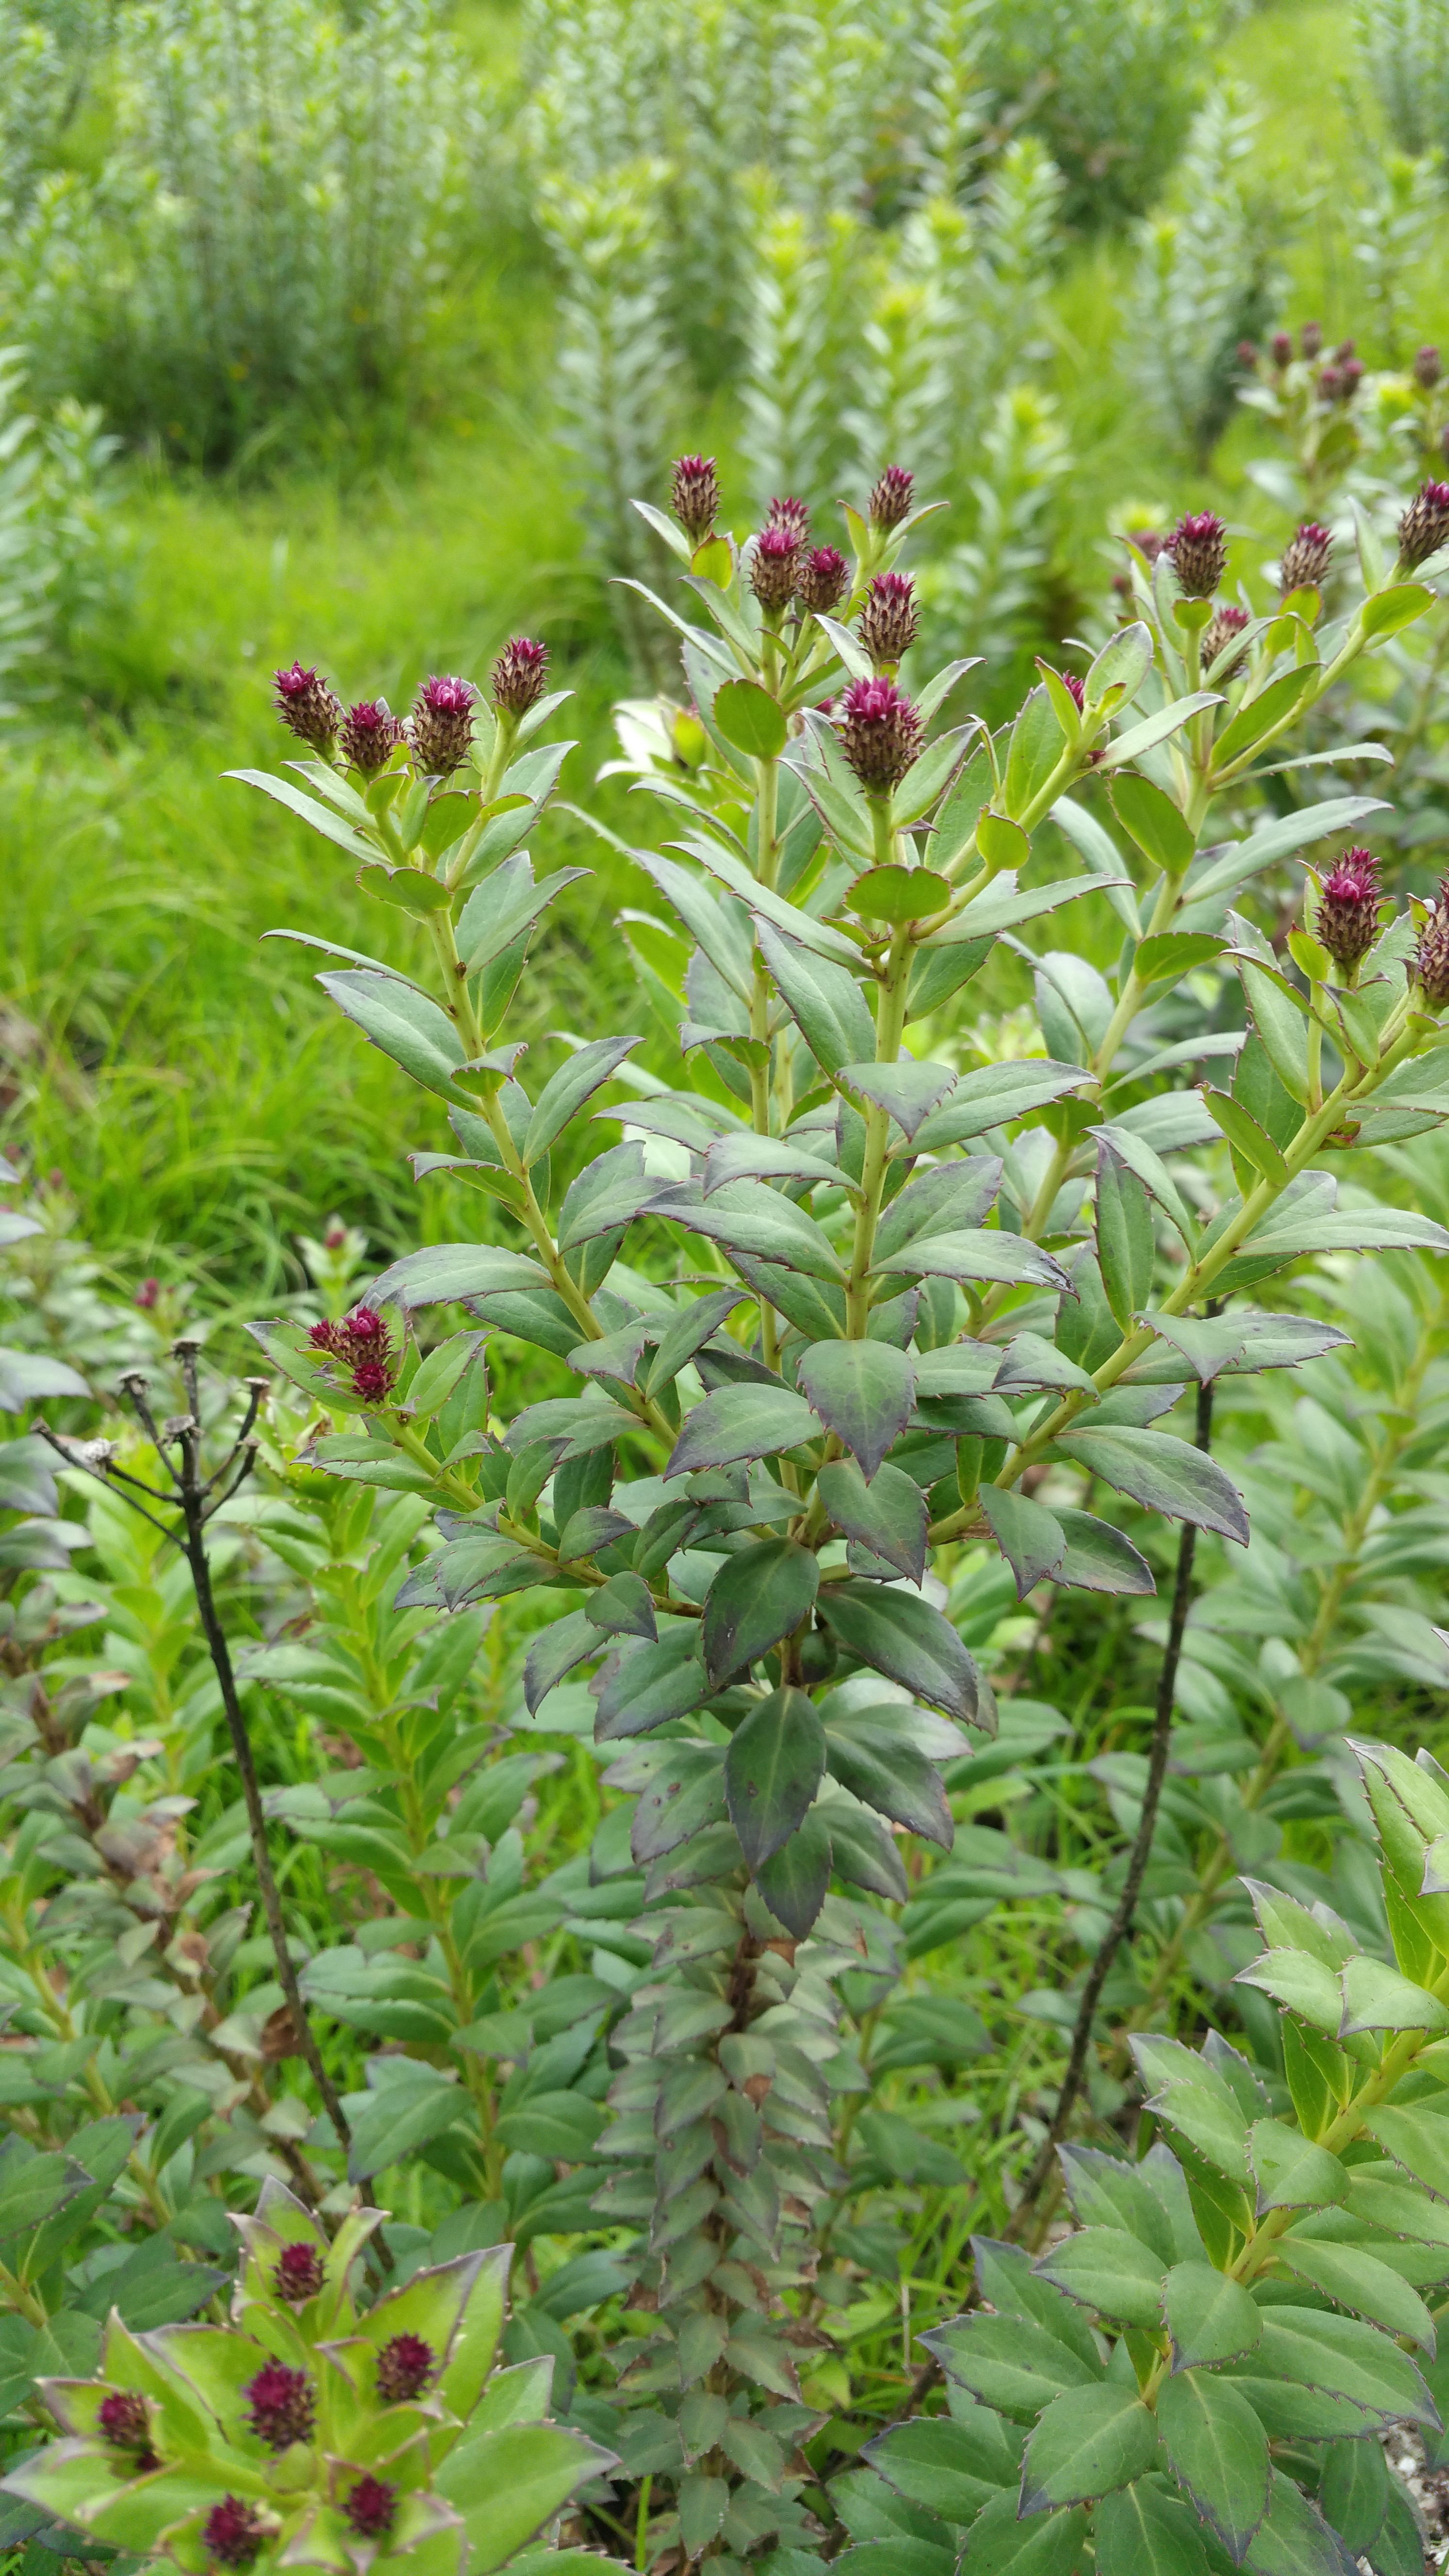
(370, 735)
(880, 734)
(1427, 368)
(441, 725)
(371, 2508)
(404, 2366)
(283, 2405)
(1223, 625)
(1424, 527)
(1305, 557)
(1282, 345)
(1432, 963)
(1348, 909)
(309, 706)
(694, 496)
(1199, 549)
(791, 514)
(890, 502)
(822, 580)
(520, 675)
(300, 2273)
(1310, 339)
(772, 567)
(233, 2533)
(888, 621)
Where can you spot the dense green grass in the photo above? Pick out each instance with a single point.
(190, 1083)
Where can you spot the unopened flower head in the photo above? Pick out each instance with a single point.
(792, 514)
(1348, 908)
(772, 567)
(125, 2424)
(1427, 367)
(889, 620)
(1247, 356)
(1076, 689)
(822, 580)
(1330, 384)
(282, 2405)
(1431, 966)
(299, 2274)
(1424, 527)
(890, 502)
(309, 706)
(1305, 557)
(1149, 542)
(441, 724)
(404, 2366)
(370, 735)
(694, 496)
(233, 2533)
(371, 2508)
(520, 675)
(880, 734)
(1223, 625)
(1310, 339)
(1199, 549)
(1282, 348)
(372, 1380)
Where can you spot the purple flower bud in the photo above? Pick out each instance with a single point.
(1330, 384)
(309, 706)
(822, 580)
(1199, 549)
(890, 502)
(372, 1380)
(1149, 542)
(1427, 368)
(1076, 689)
(1247, 356)
(1282, 349)
(299, 2274)
(403, 2368)
(790, 514)
(888, 621)
(1350, 375)
(1310, 339)
(371, 2508)
(1305, 557)
(233, 2532)
(124, 2423)
(880, 734)
(694, 496)
(1424, 527)
(1348, 909)
(441, 725)
(1343, 353)
(283, 2405)
(520, 675)
(370, 735)
(1431, 966)
(772, 567)
(1222, 626)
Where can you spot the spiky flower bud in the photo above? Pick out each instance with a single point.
(1330, 384)
(888, 621)
(371, 2508)
(282, 2404)
(1310, 339)
(233, 2533)
(1247, 356)
(124, 2422)
(772, 567)
(1282, 345)
(1424, 527)
(1076, 689)
(1305, 557)
(299, 2274)
(890, 502)
(370, 735)
(372, 1381)
(790, 514)
(1348, 908)
(441, 725)
(1149, 542)
(1431, 966)
(403, 2368)
(1223, 625)
(880, 734)
(694, 496)
(520, 675)
(309, 706)
(822, 580)
(1427, 367)
(1199, 549)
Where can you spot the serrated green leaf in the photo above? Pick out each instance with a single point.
(1088, 2441)
(1209, 2316)
(1219, 2450)
(1110, 2271)
(773, 1767)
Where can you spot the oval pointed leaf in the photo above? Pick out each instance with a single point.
(903, 1637)
(864, 1392)
(757, 1598)
(1220, 2452)
(1089, 2440)
(773, 1768)
(1209, 2317)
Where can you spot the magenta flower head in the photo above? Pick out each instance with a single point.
(890, 502)
(309, 706)
(282, 2404)
(520, 675)
(441, 725)
(1424, 527)
(1348, 909)
(1222, 626)
(233, 2533)
(372, 1380)
(822, 580)
(1427, 367)
(404, 2366)
(370, 735)
(880, 734)
(888, 621)
(772, 567)
(1305, 557)
(299, 2274)
(792, 514)
(1282, 347)
(1310, 339)
(125, 2424)
(371, 2508)
(1431, 966)
(694, 496)
(1076, 689)
(1198, 546)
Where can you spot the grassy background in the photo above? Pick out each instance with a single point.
(190, 1084)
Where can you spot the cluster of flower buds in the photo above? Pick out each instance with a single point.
(694, 495)
(1305, 558)
(1222, 626)
(1339, 381)
(310, 707)
(1431, 966)
(890, 501)
(1348, 909)
(360, 1345)
(1198, 546)
(880, 733)
(888, 620)
(1424, 527)
(519, 676)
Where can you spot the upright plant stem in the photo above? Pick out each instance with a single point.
(1141, 1853)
